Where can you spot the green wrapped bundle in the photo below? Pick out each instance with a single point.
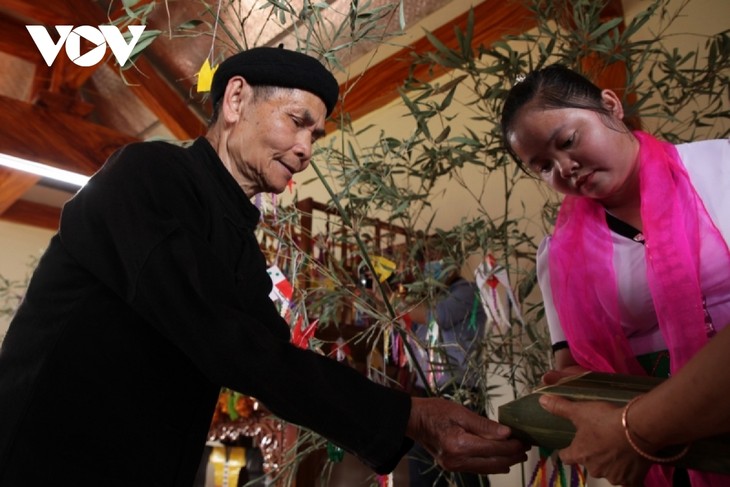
(531, 423)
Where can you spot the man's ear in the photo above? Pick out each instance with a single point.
(235, 98)
(613, 103)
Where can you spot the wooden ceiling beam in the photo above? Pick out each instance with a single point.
(67, 76)
(157, 94)
(34, 214)
(493, 19)
(57, 139)
(15, 40)
(89, 13)
(163, 99)
(378, 86)
(46, 13)
(13, 185)
(51, 138)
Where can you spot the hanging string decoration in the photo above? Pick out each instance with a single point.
(341, 351)
(283, 291)
(376, 370)
(267, 205)
(205, 77)
(558, 477)
(496, 293)
(206, 72)
(403, 358)
(434, 354)
(385, 480)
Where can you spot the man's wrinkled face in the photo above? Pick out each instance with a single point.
(273, 137)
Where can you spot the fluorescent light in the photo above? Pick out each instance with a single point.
(43, 170)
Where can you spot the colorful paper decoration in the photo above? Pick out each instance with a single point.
(383, 267)
(494, 289)
(301, 337)
(282, 289)
(205, 77)
(341, 350)
(385, 480)
(541, 477)
(434, 355)
(376, 362)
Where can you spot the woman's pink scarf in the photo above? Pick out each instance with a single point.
(583, 279)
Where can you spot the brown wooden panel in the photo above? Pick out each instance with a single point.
(13, 185)
(40, 13)
(164, 100)
(34, 214)
(15, 40)
(71, 76)
(493, 19)
(56, 139)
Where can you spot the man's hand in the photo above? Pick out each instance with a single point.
(599, 443)
(462, 441)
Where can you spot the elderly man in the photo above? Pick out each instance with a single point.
(154, 294)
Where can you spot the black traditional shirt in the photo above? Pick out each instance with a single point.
(152, 296)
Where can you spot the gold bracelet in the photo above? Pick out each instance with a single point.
(652, 458)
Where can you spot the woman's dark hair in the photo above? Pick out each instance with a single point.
(554, 86)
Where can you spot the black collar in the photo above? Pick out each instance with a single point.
(624, 229)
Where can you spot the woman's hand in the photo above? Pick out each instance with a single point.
(565, 366)
(600, 443)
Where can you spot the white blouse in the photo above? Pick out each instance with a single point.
(708, 165)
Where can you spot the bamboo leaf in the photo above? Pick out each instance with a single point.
(605, 27)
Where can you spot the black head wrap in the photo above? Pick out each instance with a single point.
(277, 67)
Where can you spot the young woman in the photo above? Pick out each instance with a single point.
(635, 275)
